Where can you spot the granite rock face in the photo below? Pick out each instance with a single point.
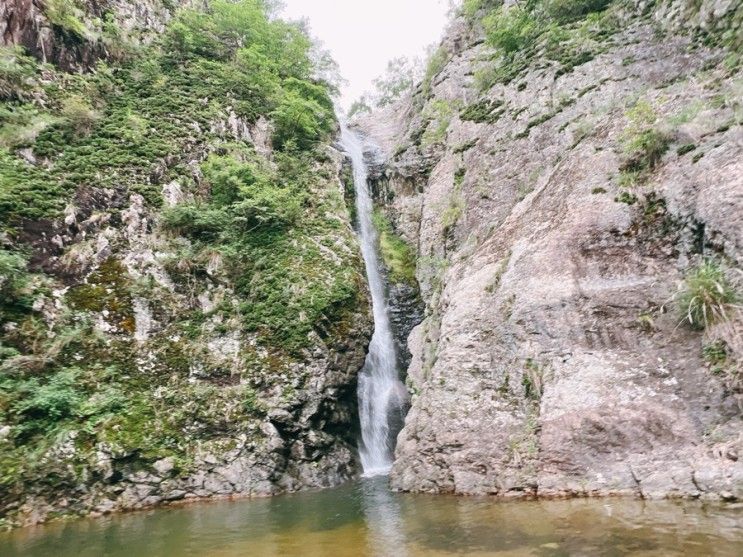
(552, 361)
(78, 41)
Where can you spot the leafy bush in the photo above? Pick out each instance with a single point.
(470, 8)
(400, 78)
(398, 256)
(439, 114)
(511, 29)
(564, 11)
(707, 296)
(41, 406)
(436, 63)
(13, 282)
(198, 222)
(643, 143)
(80, 114)
(66, 15)
(644, 150)
(300, 122)
(17, 74)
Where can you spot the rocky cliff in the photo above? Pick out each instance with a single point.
(570, 176)
(183, 305)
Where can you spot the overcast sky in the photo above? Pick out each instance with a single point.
(363, 35)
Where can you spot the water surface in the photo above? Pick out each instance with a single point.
(366, 519)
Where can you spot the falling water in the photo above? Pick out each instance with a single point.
(381, 394)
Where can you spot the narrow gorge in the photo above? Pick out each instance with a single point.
(383, 398)
(512, 271)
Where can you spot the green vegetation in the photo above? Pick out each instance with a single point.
(707, 296)
(533, 380)
(715, 354)
(66, 15)
(565, 32)
(483, 111)
(721, 362)
(398, 256)
(14, 280)
(471, 8)
(687, 148)
(438, 113)
(510, 30)
(18, 74)
(571, 10)
(455, 205)
(642, 142)
(436, 63)
(270, 231)
(235, 59)
(400, 78)
(252, 219)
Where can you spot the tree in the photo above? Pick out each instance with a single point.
(399, 78)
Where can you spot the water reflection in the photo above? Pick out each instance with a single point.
(383, 519)
(366, 519)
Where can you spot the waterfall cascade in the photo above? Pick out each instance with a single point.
(382, 396)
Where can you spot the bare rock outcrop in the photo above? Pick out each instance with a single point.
(552, 360)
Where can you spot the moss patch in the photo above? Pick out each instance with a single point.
(398, 256)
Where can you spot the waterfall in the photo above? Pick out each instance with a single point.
(381, 393)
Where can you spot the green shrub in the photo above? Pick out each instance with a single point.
(706, 296)
(299, 122)
(439, 114)
(14, 279)
(198, 222)
(511, 29)
(485, 110)
(40, 407)
(715, 353)
(471, 8)
(644, 150)
(565, 11)
(398, 256)
(80, 114)
(643, 143)
(17, 74)
(66, 15)
(436, 63)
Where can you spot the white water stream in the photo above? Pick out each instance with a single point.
(381, 393)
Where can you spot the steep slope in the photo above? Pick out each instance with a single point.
(562, 169)
(183, 306)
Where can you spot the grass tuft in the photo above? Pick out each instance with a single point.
(707, 296)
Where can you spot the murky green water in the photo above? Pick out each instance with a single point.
(365, 519)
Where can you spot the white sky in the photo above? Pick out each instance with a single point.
(363, 35)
